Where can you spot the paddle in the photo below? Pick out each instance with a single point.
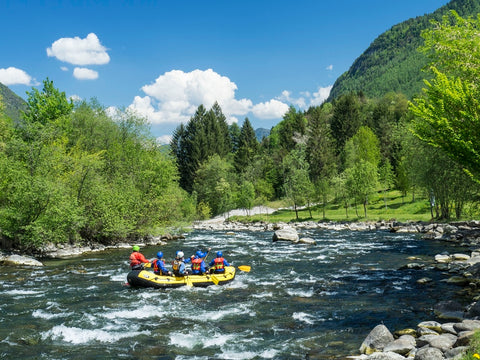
(214, 279)
(188, 281)
(245, 268)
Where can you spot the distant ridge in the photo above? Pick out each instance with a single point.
(260, 133)
(392, 62)
(14, 104)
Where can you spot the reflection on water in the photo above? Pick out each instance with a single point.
(298, 300)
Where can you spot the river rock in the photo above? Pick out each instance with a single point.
(464, 338)
(429, 353)
(286, 234)
(378, 338)
(20, 260)
(441, 258)
(456, 352)
(432, 325)
(385, 356)
(443, 342)
(467, 325)
(449, 309)
(307, 240)
(403, 345)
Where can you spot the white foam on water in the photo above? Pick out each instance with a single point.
(25, 293)
(237, 355)
(262, 295)
(304, 317)
(221, 313)
(77, 336)
(41, 314)
(118, 277)
(269, 354)
(143, 312)
(300, 293)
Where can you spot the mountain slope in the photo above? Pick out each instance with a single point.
(392, 62)
(14, 104)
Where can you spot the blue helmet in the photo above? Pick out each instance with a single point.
(159, 255)
(219, 254)
(199, 254)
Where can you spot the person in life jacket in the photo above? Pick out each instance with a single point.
(218, 264)
(178, 265)
(198, 254)
(137, 259)
(198, 265)
(159, 265)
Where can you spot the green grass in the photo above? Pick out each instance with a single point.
(399, 208)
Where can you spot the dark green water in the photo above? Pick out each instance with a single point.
(298, 300)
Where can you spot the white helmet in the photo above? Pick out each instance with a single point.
(180, 255)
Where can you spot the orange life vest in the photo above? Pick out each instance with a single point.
(196, 264)
(156, 268)
(219, 266)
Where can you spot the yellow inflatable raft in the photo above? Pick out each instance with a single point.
(145, 278)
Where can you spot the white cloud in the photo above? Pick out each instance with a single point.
(321, 95)
(329, 68)
(64, 68)
(175, 95)
(307, 99)
(85, 74)
(270, 110)
(164, 139)
(75, 98)
(14, 76)
(77, 51)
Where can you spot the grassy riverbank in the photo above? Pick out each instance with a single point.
(391, 205)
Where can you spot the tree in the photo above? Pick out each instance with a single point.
(361, 181)
(346, 119)
(247, 147)
(215, 184)
(362, 155)
(48, 105)
(246, 195)
(385, 177)
(298, 187)
(205, 134)
(448, 114)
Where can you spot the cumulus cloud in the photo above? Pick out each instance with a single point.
(270, 110)
(77, 51)
(321, 95)
(175, 95)
(14, 76)
(85, 74)
(329, 68)
(306, 99)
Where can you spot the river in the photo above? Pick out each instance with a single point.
(297, 302)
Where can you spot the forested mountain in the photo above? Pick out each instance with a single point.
(14, 104)
(392, 62)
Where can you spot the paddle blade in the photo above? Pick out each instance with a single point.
(188, 281)
(214, 279)
(245, 268)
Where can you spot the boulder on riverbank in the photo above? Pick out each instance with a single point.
(431, 341)
(286, 234)
(19, 260)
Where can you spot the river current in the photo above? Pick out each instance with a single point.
(297, 302)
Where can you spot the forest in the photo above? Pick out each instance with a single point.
(70, 172)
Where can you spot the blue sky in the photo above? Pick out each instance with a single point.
(164, 58)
